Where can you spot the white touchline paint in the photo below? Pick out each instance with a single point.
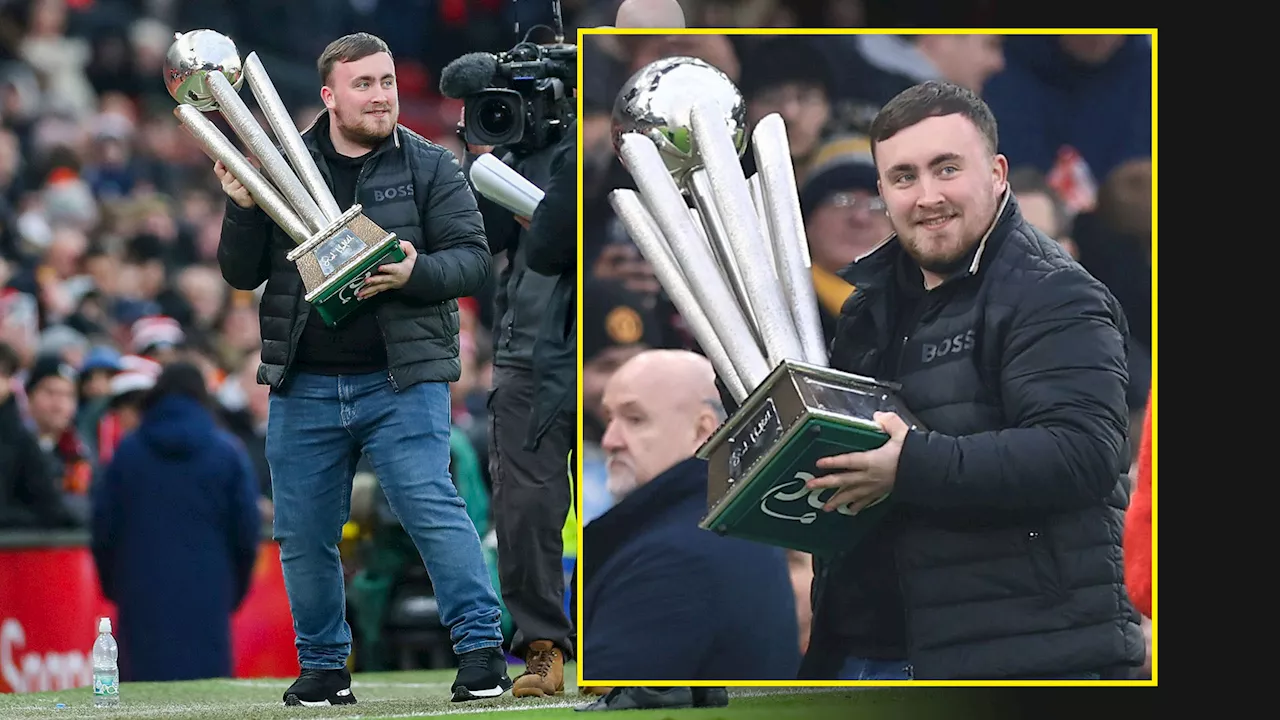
(490, 708)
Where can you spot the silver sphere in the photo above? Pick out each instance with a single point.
(194, 55)
(658, 102)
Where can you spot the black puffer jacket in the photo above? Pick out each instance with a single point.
(1009, 511)
(409, 186)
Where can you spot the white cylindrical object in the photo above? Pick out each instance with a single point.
(737, 212)
(289, 137)
(644, 230)
(699, 188)
(238, 116)
(789, 241)
(218, 147)
(663, 198)
(757, 199)
(500, 183)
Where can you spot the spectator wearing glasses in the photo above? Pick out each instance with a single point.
(844, 217)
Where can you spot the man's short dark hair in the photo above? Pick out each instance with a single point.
(349, 48)
(933, 99)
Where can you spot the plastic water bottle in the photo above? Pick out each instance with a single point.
(106, 673)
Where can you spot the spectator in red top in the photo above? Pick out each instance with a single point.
(1138, 547)
(1137, 532)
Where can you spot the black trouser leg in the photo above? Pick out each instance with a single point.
(531, 496)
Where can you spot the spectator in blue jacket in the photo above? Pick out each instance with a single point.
(175, 534)
(664, 599)
(1091, 93)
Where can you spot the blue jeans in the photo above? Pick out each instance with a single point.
(864, 669)
(317, 428)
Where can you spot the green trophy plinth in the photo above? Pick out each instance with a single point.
(760, 459)
(336, 263)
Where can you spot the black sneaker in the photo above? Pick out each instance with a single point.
(710, 697)
(482, 674)
(319, 688)
(642, 698)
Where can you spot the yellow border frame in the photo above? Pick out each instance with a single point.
(1153, 32)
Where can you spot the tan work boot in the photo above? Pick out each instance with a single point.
(544, 671)
(594, 690)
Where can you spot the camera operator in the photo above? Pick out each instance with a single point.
(533, 401)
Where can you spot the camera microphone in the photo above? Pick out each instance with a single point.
(468, 75)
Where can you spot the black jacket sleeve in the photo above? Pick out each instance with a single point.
(457, 260)
(51, 510)
(1062, 385)
(244, 251)
(500, 226)
(29, 495)
(551, 245)
(36, 501)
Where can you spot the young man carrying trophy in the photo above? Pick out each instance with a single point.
(956, 462)
(1001, 558)
(365, 240)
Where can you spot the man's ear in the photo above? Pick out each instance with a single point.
(1000, 173)
(708, 421)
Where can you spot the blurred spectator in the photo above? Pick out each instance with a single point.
(175, 534)
(661, 597)
(1041, 206)
(156, 338)
(788, 75)
(1114, 242)
(1079, 104)
(29, 496)
(52, 403)
(1138, 549)
(844, 218)
(244, 405)
(616, 327)
(1137, 541)
(649, 14)
(146, 281)
(60, 60)
(877, 67)
(100, 366)
(123, 412)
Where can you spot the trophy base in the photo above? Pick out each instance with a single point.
(760, 459)
(336, 262)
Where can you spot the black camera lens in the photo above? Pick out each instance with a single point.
(496, 117)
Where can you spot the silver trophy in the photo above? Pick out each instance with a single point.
(336, 251)
(732, 254)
